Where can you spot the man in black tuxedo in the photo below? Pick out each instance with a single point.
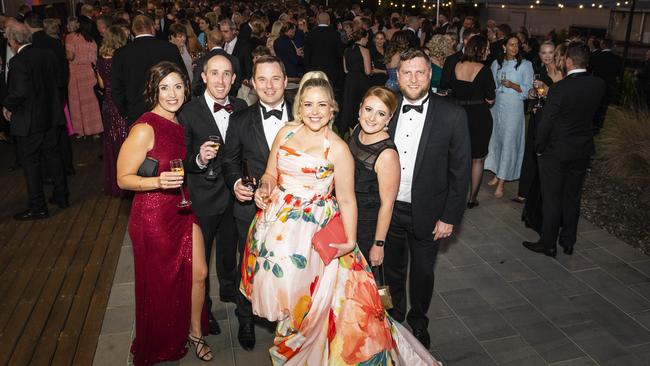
(432, 140)
(449, 67)
(33, 107)
(131, 64)
(40, 39)
(86, 16)
(496, 48)
(237, 48)
(215, 44)
(323, 51)
(205, 116)
(412, 26)
(608, 66)
(563, 143)
(250, 136)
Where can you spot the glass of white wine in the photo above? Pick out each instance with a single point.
(176, 165)
(504, 78)
(539, 90)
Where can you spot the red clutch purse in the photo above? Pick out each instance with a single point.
(332, 233)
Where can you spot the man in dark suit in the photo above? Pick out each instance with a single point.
(86, 16)
(323, 51)
(412, 26)
(239, 49)
(432, 140)
(608, 66)
(215, 44)
(131, 65)
(449, 67)
(564, 142)
(40, 39)
(33, 107)
(496, 48)
(205, 116)
(250, 135)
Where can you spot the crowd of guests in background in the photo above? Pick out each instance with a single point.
(260, 101)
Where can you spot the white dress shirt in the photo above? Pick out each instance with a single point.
(230, 46)
(273, 125)
(407, 139)
(221, 118)
(575, 71)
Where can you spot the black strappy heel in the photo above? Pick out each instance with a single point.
(199, 344)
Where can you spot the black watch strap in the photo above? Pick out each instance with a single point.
(379, 243)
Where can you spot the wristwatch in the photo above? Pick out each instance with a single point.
(379, 243)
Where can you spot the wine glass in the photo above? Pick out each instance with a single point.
(176, 165)
(504, 78)
(265, 195)
(539, 91)
(216, 143)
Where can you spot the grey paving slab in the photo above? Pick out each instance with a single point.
(642, 266)
(222, 349)
(455, 345)
(124, 270)
(575, 262)
(513, 351)
(438, 308)
(492, 252)
(556, 276)
(546, 338)
(615, 266)
(582, 361)
(642, 352)
(112, 349)
(643, 318)
(477, 315)
(613, 290)
(513, 270)
(600, 345)
(118, 320)
(552, 304)
(122, 295)
(459, 254)
(642, 289)
(627, 331)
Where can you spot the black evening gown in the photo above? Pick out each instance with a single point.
(356, 84)
(473, 95)
(377, 60)
(366, 187)
(529, 185)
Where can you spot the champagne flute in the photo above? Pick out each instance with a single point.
(216, 143)
(265, 195)
(176, 165)
(504, 78)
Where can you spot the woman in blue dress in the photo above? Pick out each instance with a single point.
(514, 78)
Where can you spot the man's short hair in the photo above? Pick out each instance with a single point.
(214, 38)
(205, 64)
(269, 59)
(323, 18)
(579, 53)
(176, 29)
(606, 43)
(228, 22)
(34, 20)
(411, 54)
(142, 24)
(19, 33)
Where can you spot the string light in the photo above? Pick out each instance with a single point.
(581, 6)
(503, 6)
(537, 2)
(475, 5)
(618, 4)
(593, 5)
(600, 6)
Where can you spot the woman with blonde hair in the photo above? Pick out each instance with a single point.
(308, 76)
(327, 312)
(276, 31)
(52, 27)
(115, 126)
(439, 48)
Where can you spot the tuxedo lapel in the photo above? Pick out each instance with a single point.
(424, 138)
(208, 118)
(258, 130)
(392, 126)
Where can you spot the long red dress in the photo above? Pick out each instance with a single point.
(162, 250)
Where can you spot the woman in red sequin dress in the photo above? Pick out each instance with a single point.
(170, 266)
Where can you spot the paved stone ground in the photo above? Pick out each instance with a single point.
(495, 303)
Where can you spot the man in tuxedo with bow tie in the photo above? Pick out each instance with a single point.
(563, 143)
(433, 144)
(205, 116)
(250, 136)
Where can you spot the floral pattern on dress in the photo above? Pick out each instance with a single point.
(326, 315)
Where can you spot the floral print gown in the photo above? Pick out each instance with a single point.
(326, 314)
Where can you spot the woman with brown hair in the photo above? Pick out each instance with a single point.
(168, 252)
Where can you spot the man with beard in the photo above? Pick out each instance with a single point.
(433, 143)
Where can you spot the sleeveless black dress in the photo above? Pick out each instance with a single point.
(356, 84)
(366, 186)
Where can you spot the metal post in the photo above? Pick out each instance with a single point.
(437, 13)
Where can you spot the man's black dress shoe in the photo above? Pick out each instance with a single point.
(538, 247)
(31, 215)
(213, 324)
(422, 335)
(62, 204)
(246, 335)
(567, 249)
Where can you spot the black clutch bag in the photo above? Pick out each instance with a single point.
(149, 167)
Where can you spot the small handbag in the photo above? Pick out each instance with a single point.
(333, 232)
(149, 168)
(384, 290)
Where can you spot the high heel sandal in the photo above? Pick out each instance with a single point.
(199, 343)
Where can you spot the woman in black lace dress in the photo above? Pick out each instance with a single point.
(377, 171)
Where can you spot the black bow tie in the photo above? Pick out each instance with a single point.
(217, 107)
(277, 113)
(417, 108)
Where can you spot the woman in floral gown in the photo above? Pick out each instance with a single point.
(326, 314)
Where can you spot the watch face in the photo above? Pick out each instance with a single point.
(379, 243)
